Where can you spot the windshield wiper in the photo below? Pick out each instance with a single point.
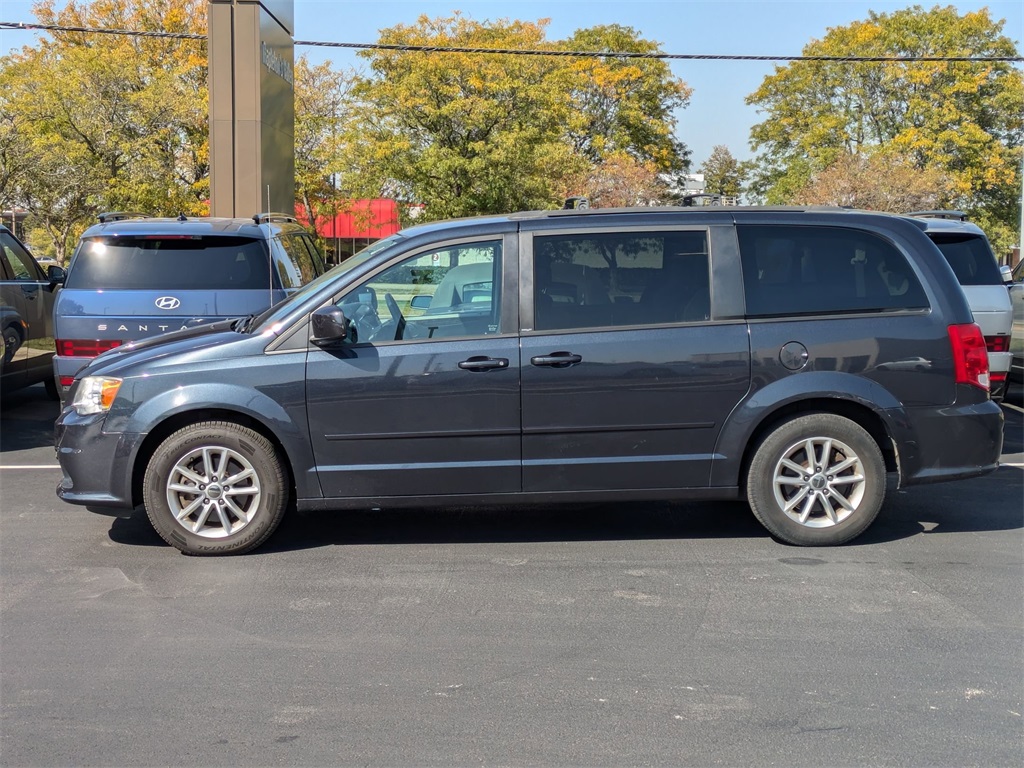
(241, 325)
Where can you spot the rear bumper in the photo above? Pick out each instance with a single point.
(97, 466)
(950, 443)
(999, 364)
(67, 367)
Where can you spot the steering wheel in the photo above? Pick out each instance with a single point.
(365, 321)
(396, 315)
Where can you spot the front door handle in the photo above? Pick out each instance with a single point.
(557, 359)
(483, 363)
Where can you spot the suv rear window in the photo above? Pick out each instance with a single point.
(970, 257)
(154, 262)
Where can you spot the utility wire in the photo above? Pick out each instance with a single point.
(524, 52)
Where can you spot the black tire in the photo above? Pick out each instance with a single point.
(12, 343)
(816, 507)
(192, 508)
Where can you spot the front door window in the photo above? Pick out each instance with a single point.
(447, 293)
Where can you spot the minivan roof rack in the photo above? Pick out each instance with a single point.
(952, 215)
(120, 216)
(267, 218)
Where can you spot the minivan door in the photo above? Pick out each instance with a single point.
(628, 374)
(423, 399)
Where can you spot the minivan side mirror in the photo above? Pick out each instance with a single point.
(56, 275)
(1004, 270)
(329, 326)
(420, 302)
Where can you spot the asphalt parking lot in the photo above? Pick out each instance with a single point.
(605, 635)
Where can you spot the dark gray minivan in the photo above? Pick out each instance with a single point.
(805, 359)
(132, 276)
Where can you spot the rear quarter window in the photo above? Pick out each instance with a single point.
(300, 261)
(805, 270)
(177, 263)
(970, 256)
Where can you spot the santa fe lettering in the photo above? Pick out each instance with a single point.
(144, 328)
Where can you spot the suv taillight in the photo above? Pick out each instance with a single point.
(85, 347)
(997, 343)
(970, 357)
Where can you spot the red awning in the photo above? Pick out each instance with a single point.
(360, 219)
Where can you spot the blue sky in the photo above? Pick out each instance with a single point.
(716, 114)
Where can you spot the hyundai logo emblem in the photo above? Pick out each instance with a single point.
(167, 302)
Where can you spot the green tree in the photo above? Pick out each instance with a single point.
(322, 106)
(624, 105)
(469, 133)
(963, 119)
(723, 173)
(111, 121)
(460, 132)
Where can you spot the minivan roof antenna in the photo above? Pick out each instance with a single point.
(270, 256)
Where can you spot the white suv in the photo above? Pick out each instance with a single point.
(969, 254)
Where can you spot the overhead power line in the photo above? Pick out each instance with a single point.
(520, 51)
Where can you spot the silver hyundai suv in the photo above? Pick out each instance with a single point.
(132, 276)
(969, 254)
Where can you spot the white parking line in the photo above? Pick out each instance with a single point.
(1015, 407)
(29, 466)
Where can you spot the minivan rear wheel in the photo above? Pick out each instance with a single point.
(215, 488)
(816, 480)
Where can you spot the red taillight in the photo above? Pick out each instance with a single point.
(997, 343)
(66, 381)
(970, 357)
(85, 347)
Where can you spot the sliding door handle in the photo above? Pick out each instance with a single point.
(483, 363)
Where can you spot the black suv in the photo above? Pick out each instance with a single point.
(806, 359)
(132, 276)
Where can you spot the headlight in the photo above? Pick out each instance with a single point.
(95, 394)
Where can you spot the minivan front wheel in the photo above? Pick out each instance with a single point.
(817, 480)
(215, 488)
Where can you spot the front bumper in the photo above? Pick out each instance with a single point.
(97, 465)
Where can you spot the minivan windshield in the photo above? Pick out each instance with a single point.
(169, 263)
(280, 310)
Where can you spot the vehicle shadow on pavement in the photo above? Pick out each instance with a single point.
(576, 522)
(905, 514)
(26, 419)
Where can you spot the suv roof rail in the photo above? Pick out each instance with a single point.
(121, 215)
(953, 215)
(267, 218)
